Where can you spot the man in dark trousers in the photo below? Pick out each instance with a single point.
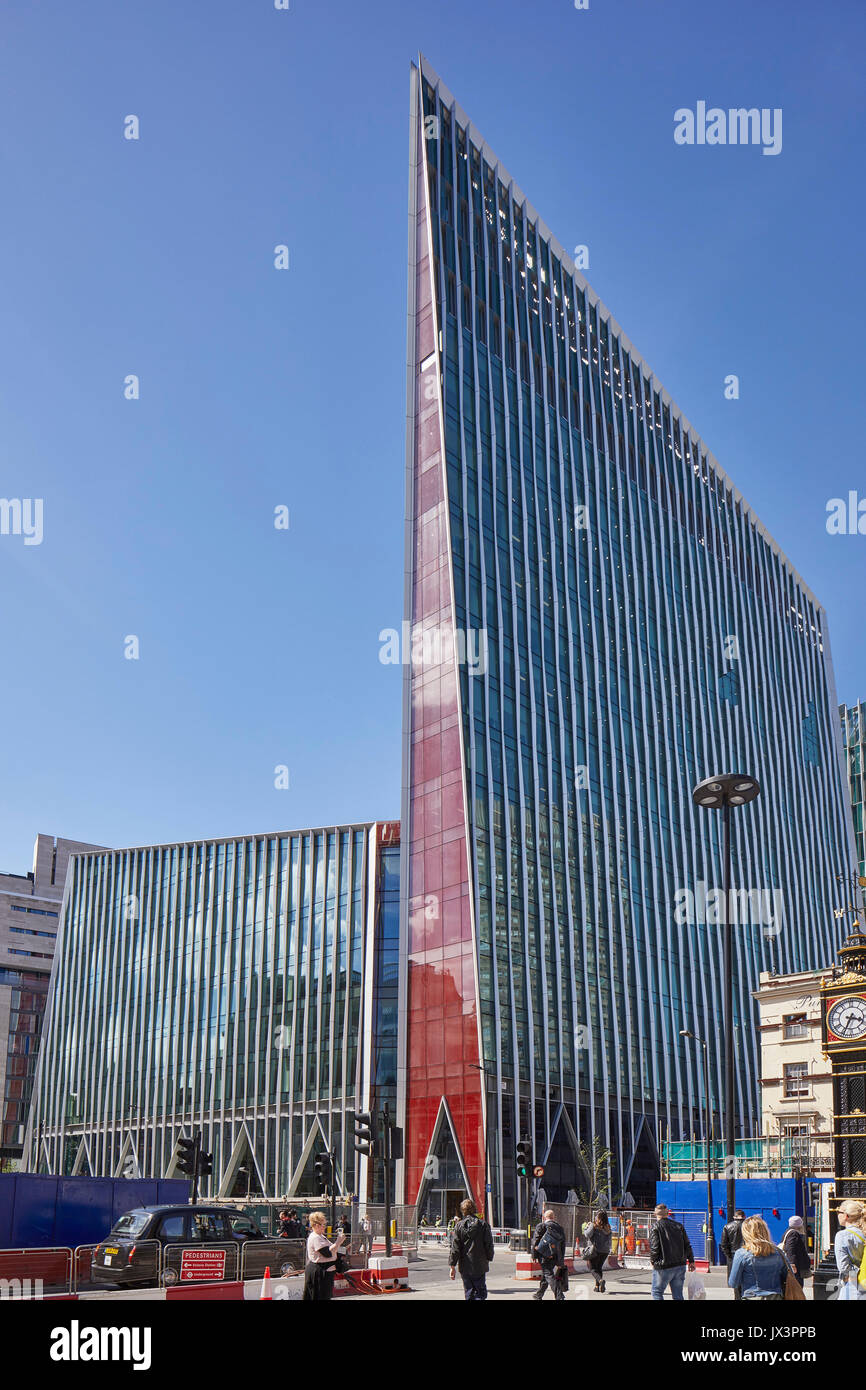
(732, 1239)
(795, 1250)
(548, 1247)
(670, 1254)
(471, 1251)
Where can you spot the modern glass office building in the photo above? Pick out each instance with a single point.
(853, 719)
(599, 621)
(245, 988)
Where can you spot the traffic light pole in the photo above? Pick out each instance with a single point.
(333, 1158)
(194, 1180)
(386, 1164)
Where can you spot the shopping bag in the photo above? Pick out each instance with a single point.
(696, 1287)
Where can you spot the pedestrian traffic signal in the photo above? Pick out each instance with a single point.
(524, 1157)
(323, 1171)
(187, 1149)
(205, 1165)
(362, 1126)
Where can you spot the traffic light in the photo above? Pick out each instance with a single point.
(524, 1157)
(186, 1156)
(323, 1171)
(205, 1165)
(396, 1142)
(362, 1124)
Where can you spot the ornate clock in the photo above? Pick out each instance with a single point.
(846, 1019)
(843, 998)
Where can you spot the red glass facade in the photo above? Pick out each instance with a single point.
(442, 1029)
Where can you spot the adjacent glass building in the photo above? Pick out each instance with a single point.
(246, 988)
(598, 621)
(29, 914)
(853, 719)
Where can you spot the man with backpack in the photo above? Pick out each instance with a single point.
(548, 1248)
(670, 1254)
(471, 1251)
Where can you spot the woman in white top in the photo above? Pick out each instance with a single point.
(321, 1256)
(848, 1248)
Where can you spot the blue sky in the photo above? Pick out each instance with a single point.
(261, 388)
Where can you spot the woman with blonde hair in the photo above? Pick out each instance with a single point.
(321, 1261)
(759, 1269)
(848, 1248)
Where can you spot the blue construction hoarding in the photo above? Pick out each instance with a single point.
(773, 1199)
(38, 1210)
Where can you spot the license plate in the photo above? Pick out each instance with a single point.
(111, 1250)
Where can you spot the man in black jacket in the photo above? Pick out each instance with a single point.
(471, 1251)
(732, 1239)
(795, 1250)
(548, 1247)
(670, 1253)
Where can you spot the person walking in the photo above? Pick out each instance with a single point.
(548, 1248)
(759, 1268)
(321, 1261)
(848, 1248)
(670, 1255)
(794, 1249)
(597, 1249)
(365, 1237)
(471, 1252)
(731, 1242)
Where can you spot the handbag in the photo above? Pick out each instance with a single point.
(341, 1264)
(793, 1291)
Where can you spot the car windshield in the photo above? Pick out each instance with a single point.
(243, 1226)
(132, 1224)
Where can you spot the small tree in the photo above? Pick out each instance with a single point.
(596, 1163)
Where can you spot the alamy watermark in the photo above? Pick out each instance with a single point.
(737, 126)
(434, 646)
(846, 516)
(747, 907)
(22, 516)
(21, 1288)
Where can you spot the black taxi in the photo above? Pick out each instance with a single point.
(134, 1254)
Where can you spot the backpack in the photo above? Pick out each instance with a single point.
(547, 1249)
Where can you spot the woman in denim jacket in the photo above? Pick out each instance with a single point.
(848, 1248)
(759, 1269)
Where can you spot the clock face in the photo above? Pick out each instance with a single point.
(847, 1018)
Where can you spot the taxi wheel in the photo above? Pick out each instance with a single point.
(169, 1278)
(287, 1268)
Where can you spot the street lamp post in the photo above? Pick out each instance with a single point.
(720, 794)
(685, 1033)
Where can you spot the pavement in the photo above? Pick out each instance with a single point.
(428, 1279)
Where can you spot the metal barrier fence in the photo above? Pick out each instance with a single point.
(404, 1224)
(36, 1273)
(282, 1257)
(31, 1273)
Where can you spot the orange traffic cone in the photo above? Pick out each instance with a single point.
(266, 1285)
